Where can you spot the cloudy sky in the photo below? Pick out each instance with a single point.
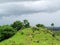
(36, 11)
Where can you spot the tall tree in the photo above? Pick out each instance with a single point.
(26, 23)
(52, 25)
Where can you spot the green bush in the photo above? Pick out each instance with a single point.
(6, 31)
(40, 25)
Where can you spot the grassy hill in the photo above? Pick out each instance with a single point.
(30, 36)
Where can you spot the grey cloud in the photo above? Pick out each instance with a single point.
(19, 8)
(4, 1)
(42, 11)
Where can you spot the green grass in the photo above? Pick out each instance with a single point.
(28, 37)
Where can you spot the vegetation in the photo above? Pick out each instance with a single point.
(40, 25)
(6, 31)
(52, 25)
(21, 33)
(17, 25)
(26, 23)
(28, 37)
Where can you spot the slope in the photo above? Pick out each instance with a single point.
(31, 36)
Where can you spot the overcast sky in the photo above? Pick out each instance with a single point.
(36, 11)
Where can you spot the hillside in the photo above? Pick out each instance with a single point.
(29, 36)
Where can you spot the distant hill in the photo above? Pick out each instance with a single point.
(55, 28)
(30, 36)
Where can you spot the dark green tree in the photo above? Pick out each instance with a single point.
(17, 25)
(52, 25)
(6, 31)
(26, 23)
(40, 25)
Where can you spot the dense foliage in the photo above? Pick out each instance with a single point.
(26, 23)
(6, 31)
(17, 25)
(40, 25)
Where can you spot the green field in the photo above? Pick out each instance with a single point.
(29, 37)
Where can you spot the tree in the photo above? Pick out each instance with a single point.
(6, 31)
(40, 25)
(26, 23)
(17, 25)
(52, 25)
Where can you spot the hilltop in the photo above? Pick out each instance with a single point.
(30, 36)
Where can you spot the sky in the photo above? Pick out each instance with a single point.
(35, 11)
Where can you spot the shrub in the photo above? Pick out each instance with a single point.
(40, 25)
(22, 33)
(53, 35)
